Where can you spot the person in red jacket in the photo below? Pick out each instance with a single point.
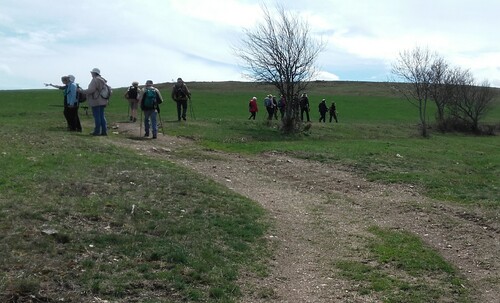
(252, 108)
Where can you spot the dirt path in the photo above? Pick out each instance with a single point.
(321, 214)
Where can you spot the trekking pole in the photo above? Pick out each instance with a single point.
(191, 110)
(128, 109)
(161, 123)
(140, 126)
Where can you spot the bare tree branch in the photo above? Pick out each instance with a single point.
(282, 52)
(415, 68)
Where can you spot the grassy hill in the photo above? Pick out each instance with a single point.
(71, 222)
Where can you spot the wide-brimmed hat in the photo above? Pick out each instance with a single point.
(135, 83)
(96, 70)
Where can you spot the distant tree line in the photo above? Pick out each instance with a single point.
(460, 100)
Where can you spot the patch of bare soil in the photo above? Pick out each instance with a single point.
(321, 214)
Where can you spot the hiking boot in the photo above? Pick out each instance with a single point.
(146, 135)
(134, 120)
(154, 136)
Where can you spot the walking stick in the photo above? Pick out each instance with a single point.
(191, 110)
(128, 109)
(140, 126)
(161, 122)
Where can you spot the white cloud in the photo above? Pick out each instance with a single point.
(327, 76)
(161, 40)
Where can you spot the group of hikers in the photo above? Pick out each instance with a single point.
(149, 98)
(273, 106)
(98, 93)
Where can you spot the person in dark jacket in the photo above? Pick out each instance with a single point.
(181, 94)
(132, 96)
(282, 106)
(275, 108)
(333, 112)
(304, 107)
(323, 109)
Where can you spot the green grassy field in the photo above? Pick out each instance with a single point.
(81, 219)
(192, 243)
(377, 135)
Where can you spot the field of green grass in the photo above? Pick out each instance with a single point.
(81, 218)
(377, 135)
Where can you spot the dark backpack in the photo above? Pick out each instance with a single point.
(281, 103)
(304, 102)
(268, 102)
(149, 99)
(179, 92)
(81, 97)
(132, 92)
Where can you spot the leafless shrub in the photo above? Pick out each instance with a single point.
(281, 51)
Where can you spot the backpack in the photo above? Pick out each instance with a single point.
(281, 103)
(179, 92)
(149, 99)
(268, 102)
(79, 95)
(304, 102)
(106, 90)
(132, 92)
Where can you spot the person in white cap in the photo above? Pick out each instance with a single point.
(253, 108)
(268, 103)
(97, 102)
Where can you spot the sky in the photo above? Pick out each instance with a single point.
(161, 40)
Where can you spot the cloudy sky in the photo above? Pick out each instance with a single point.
(165, 39)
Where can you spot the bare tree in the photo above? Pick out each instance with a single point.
(282, 52)
(440, 91)
(471, 101)
(482, 96)
(415, 68)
